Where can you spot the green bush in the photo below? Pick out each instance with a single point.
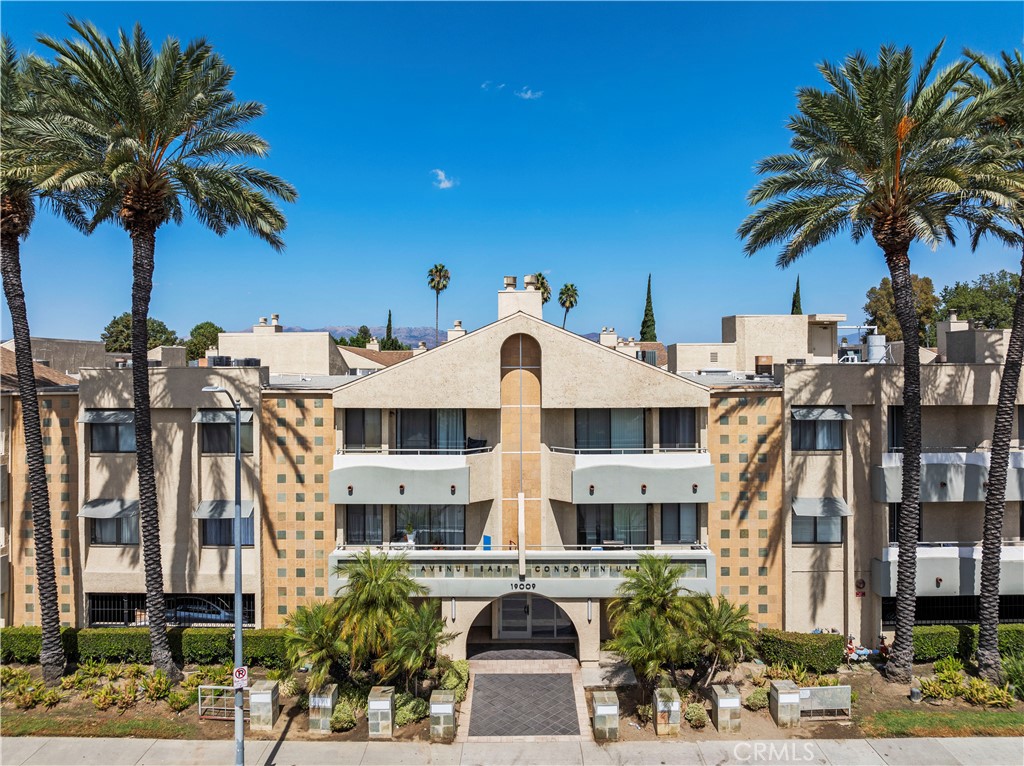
(644, 713)
(410, 709)
(757, 699)
(130, 644)
(696, 715)
(1013, 671)
(156, 687)
(344, 716)
(206, 646)
(816, 652)
(23, 644)
(1010, 637)
(264, 648)
(178, 701)
(949, 665)
(456, 678)
(933, 642)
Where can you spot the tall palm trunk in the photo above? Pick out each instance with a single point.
(143, 247)
(565, 316)
(989, 664)
(52, 655)
(900, 667)
(437, 318)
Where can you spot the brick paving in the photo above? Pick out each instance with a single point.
(523, 705)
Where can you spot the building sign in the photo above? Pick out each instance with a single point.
(541, 569)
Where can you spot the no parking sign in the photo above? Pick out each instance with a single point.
(241, 678)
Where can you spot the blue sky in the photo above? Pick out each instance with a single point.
(611, 140)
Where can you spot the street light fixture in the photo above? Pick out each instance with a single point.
(239, 693)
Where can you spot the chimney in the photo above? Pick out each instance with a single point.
(526, 301)
(457, 331)
(420, 348)
(373, 344)
(608, 337)
(268, 329)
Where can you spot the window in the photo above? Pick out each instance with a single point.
(431, 525)
(678, 427)
(441, 430)
(364, 525)
(362, 430)
(615, 430)
(894, 523)
(129, 609)
(680, 523)
(817, 435)
(895, 428)
(219, 438)
(817, 529)
(117, 531)
(217, 532)
(112, 437)
(624, 522)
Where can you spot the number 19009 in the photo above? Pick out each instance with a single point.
(524, 586)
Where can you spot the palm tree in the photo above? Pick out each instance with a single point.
(652, 588)
(717, 632)
(884, 153)
(312, 639)
(645, 642)
(376, 592)
(418, 636)
(568, 297)
(437, 280)
(544, 286)
(153, 132)
(1004, 123)
(18, 198)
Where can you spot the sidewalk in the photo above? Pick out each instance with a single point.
(57, 751)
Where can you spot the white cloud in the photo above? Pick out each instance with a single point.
(441, 179)
(529, 95)
(501, 87)
(485, 84)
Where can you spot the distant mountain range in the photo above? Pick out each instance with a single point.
(411, 336)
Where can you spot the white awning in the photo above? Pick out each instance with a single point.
(222, 509)
(821, 506)
(106, 508)
(821, 413)
(221, 416)
(108, 416)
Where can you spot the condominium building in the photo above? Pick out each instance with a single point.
(521, 470)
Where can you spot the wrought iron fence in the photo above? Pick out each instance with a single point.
(183, 610)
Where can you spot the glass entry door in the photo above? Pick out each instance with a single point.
(515, 616)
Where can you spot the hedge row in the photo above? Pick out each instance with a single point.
(933, 642)
(818, 652)
(200, 646)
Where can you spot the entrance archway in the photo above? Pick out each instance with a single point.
(531, 616)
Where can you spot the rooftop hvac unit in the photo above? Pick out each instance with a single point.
(218, 361)
(762, 365)
(152, 362)
(248, 361)
(649, 356)
(796, 361)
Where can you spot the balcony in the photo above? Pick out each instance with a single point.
(950, 569)
(632, 476)
(412, 477)
(954, 475)
(552, 572)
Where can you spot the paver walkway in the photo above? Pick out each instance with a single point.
(66, 751)
(523, 705)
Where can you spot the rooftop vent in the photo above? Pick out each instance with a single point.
(510, 283)
(218, 361)
(248, 361)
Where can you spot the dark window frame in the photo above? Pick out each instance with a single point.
(207, 530)
(816, 537)
(805, 432)
(214, 436)
(124, 524)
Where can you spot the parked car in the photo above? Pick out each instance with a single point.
(197, 609)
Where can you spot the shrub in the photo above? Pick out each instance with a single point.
(696, 715)
(178, 701)
(115, 644)
(932, 687)
(456, 678)
(12, 676)
(354, 694)
(977, 691)
(826, 681)
(948, 665)
(1013, 671)
(104, 697)
(26, 698)
(409, 709)
(816, 652)
(644, 714)
(264, 648)
(1001, 696)
(156, 687)
(23, 644)
(1010, 637)
(205, 646)
(344, 716)
(51, 698)
(127, 695)
(933, 642)
(757, 699)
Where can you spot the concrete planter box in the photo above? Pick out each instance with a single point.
(667, 712)
(263, 705)
(321, 708)
(606, 716)
(784, 704)
(380, 712)
(725, 707)
(442, 716)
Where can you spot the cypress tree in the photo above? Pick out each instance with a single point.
(647, 330)
(797, 308)
(387, 331)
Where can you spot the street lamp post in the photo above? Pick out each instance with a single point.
(239, 693)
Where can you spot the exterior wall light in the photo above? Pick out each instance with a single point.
(591, 489)
(590, 610)
(453, 489)
(350, 489)
(938, 582)
(401, 489)
(694, 487)
(643, 489)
